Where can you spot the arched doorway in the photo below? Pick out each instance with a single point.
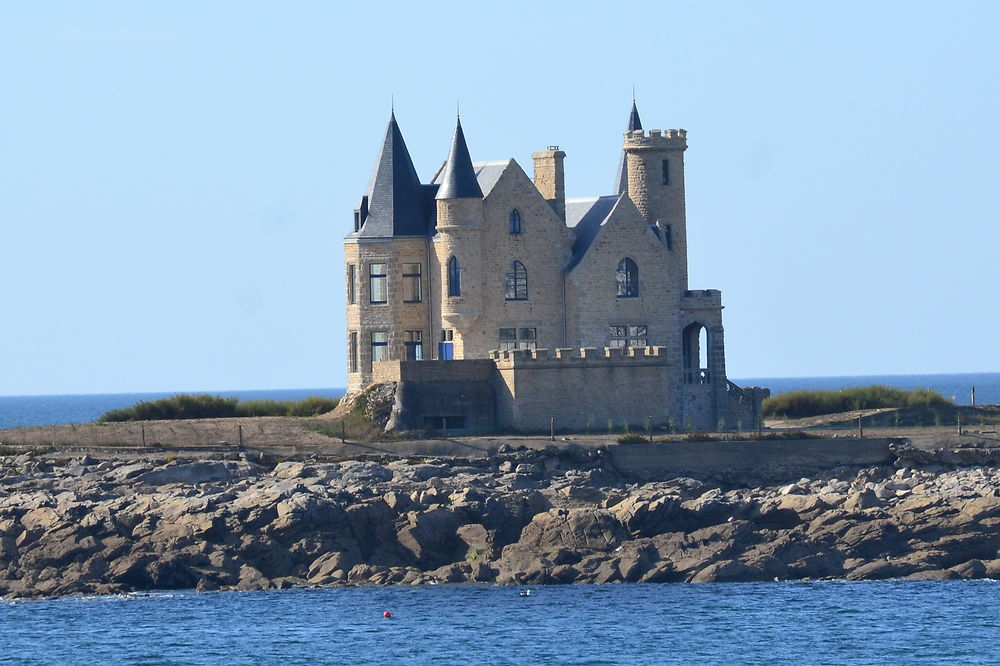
(695, 342)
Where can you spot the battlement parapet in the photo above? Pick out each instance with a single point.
(702, 298)
(670, 138)
(578, 355)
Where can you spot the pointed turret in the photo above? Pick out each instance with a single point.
(396, 205)
(459, 178)
(634, 124)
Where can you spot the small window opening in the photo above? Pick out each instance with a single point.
(413, 341)
(353, 352)
(666, 172)
(352, 284)
(378, 292)
(380, 346)
(516, 282)
(412, 292)
(454, 277)
(627, 278)
(515, 221)
(628, 335)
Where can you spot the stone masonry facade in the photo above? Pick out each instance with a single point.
(579, 303)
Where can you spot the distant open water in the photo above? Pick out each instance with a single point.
(886, 622)
(40, 410)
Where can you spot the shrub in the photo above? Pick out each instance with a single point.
(632, 438)
(204, 406)
(800, 404)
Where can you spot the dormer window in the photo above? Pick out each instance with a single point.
(515, 222)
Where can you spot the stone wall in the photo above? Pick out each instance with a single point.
(582, 389)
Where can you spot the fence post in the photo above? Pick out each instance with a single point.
(861, 429)
(239, 428)
(343, 432)
(53, 436)
(649, 428)
(959, 423)
(142, 431)
(552, 428)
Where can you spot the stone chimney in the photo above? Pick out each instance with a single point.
(550, 179)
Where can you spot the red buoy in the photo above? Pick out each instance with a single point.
(387, 614)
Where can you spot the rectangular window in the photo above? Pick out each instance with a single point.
(352, 286)
(414, 343)
(380, 346)
(447, 335)
(352, 358)
(378, 292)
(634, 335)
(513, 338)
(668, 231)
(411, 284)
(666, 172)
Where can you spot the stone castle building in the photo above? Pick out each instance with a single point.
(485, 262)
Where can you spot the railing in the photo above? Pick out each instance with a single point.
(697, 376)
(744, 397)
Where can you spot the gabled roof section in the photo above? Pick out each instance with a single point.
(397, 203)
(585, 217)
(487, 174)
(459, 178)
(621, 180)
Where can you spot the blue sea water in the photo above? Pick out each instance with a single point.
(884, 622)
(41, 410)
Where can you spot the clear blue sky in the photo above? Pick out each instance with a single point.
(176, 178)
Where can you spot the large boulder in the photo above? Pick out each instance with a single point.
(431, 537)
(590, 529)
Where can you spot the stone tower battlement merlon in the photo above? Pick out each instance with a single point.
(670, 139)
(571, 356)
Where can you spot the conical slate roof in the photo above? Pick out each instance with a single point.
(621, 181)
(396, 202)
(459, 178)
(633, 122)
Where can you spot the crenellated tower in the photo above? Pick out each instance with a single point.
(654, 169)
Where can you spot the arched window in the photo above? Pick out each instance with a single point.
(515, 222)
(627, 278)
(454, 278)
(516, 282)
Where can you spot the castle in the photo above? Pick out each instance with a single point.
(485, 262)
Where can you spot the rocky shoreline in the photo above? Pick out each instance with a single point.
(559, 515)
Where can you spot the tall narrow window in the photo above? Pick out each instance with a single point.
(515, 221)
(412, 292)
(378, 292)
(627, 278)
(352, 358)
(380, 346)
(666, 172)
(516, 282)
(414, 343)
(352, 284)
(668, 232)
(454, 278)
